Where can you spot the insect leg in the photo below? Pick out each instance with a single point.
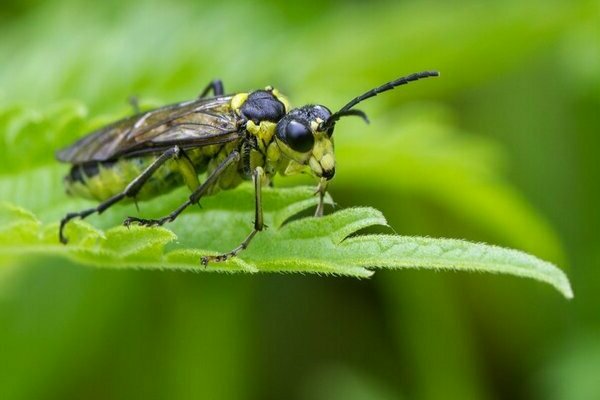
(259, 225)
(233, 157)
(321, 189)
(216, 86)
(130, 191)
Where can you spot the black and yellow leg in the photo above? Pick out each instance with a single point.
(215, 86)
(130, 191)
(259, 225)
(199, 191)
(321, 190)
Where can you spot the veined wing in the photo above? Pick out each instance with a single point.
(190, 124)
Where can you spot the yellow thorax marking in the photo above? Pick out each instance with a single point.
(263, 131)
(238, 100)
(281, 98)
(273, 153)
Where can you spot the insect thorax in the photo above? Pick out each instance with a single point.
(261, 110)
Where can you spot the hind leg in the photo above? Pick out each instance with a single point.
(130, 191)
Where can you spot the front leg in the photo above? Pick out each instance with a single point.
(258, 176)
(321, 190)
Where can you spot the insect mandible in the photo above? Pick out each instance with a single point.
(229, 138)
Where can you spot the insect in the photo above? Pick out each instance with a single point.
(230, 138)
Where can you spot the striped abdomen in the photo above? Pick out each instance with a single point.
(102, 180)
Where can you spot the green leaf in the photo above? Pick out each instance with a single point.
(460, 171)
(306, 245)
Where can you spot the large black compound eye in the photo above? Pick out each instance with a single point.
(299, 137)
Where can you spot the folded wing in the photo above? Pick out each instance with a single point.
(190, 124)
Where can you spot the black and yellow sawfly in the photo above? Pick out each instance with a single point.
(229, 138)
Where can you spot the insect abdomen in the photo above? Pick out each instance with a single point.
(100, 181)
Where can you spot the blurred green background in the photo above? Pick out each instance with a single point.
(502, 148)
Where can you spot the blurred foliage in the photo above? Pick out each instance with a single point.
(502, 148)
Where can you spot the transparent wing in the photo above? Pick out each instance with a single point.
(190, 124)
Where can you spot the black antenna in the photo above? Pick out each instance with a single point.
(344, 111)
